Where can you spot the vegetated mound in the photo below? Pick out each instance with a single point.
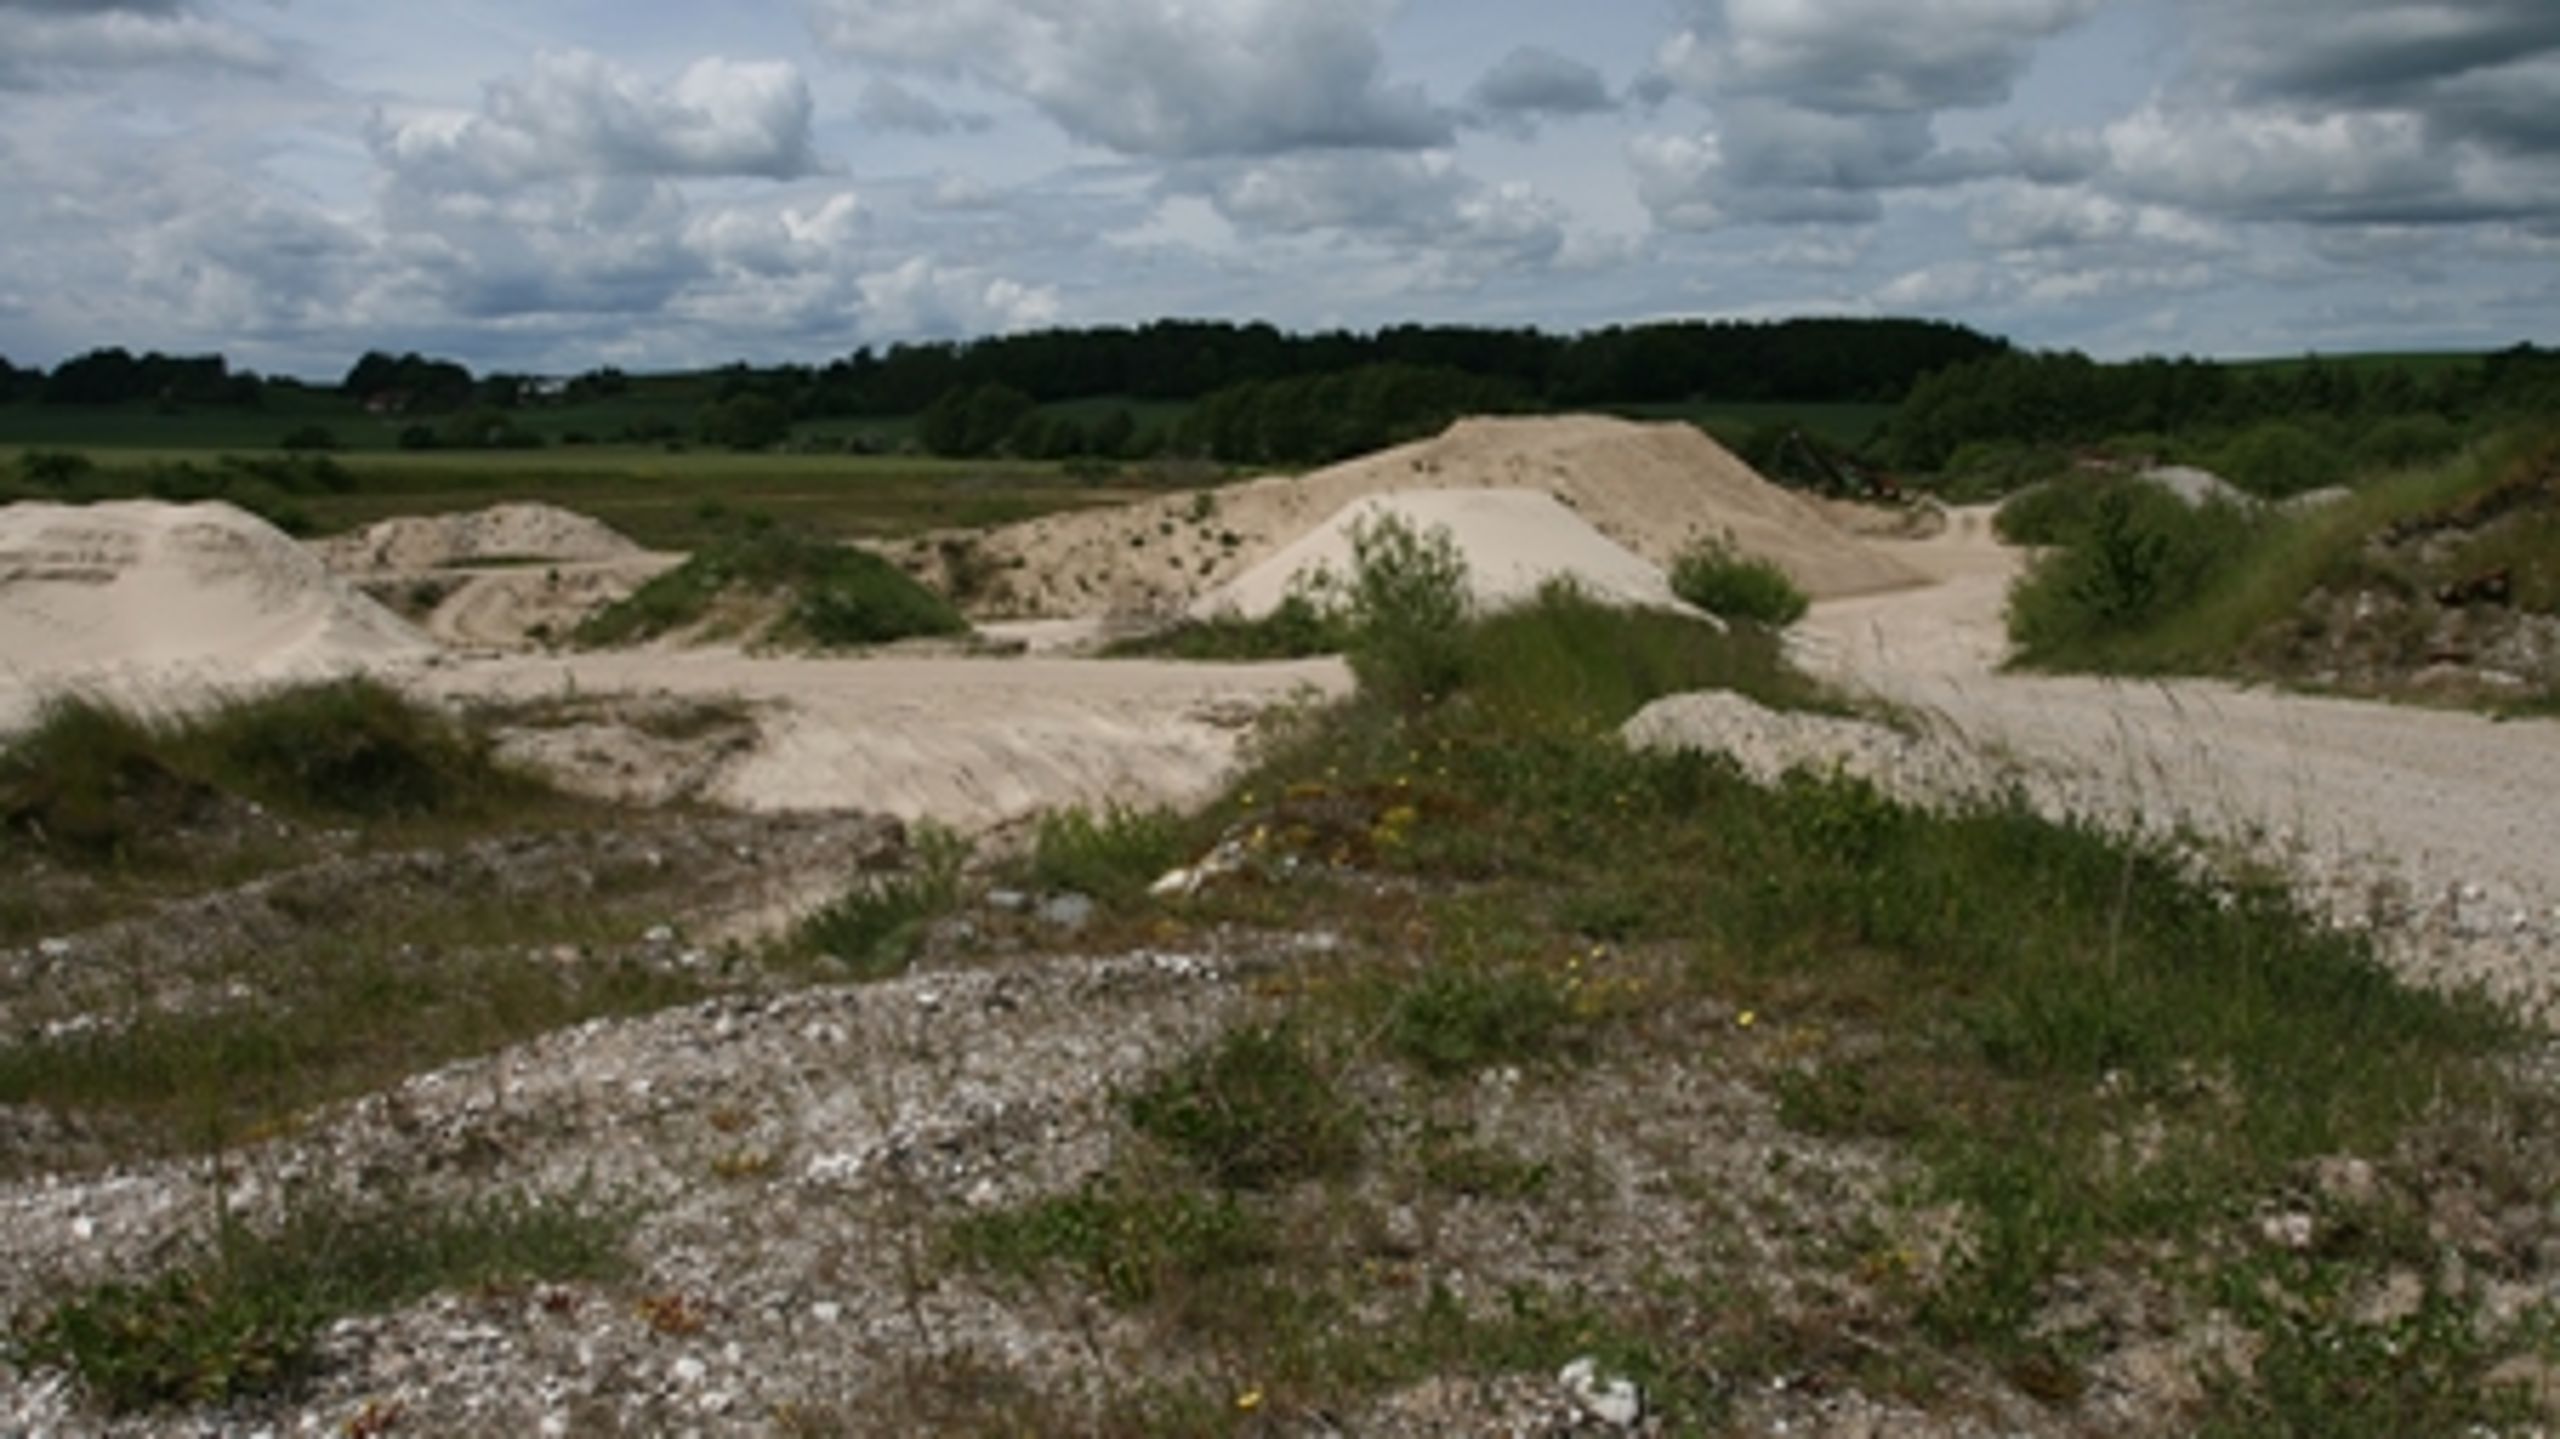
(147, 592)
(521, 531)
(1513, 541)
(2460, 600)
(770, 586)
(1655, 489)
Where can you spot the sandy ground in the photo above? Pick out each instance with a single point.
(972, 743)
(2439, 824)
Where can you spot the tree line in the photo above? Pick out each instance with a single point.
(2067, 398)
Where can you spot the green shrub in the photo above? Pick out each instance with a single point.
(2055, 513)
(1407, 602)
(1732, 586)
(2140, 554)
(2278, 459)
(1566, 661)
(2405, 440)
(1252, 1111)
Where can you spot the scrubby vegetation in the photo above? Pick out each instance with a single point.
(830, 595)
(2452, 559)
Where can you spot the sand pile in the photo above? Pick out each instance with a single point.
(1654, 489)
(501, 532)
(141, 593)
(1514, 541)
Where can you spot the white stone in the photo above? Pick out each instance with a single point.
(688, 1371)
(826, 1311)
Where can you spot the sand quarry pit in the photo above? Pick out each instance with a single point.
(1653, 489)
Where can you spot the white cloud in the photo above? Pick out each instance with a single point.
(579, 114)
(2335, 167)
(1164, 78)
(1822, 106)
(919, 297)
(1854, 57)
(1953, 285)
(39, 42)
(1409, 202)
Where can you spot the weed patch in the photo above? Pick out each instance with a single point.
(1113, 857)
(242, 1320)
(875, 928)
(1254, 1111)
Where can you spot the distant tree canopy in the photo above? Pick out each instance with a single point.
(1816, 359)
(115, 376)
(420, 384)
(1313, 419)
(2067, 399)
(17, 384)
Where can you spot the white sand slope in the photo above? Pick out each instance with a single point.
(1513, 541)
(1655, 489)
(145, 594)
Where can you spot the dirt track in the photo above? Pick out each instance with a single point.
(2439, 825)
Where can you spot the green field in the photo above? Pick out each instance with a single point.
(672, 501)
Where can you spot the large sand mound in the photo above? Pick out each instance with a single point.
(145, 593)
(1653, 488)
(500, 532)
(1513, 540)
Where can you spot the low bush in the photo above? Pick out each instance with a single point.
(2279, 458)
(1729, 585)
(2137, 556)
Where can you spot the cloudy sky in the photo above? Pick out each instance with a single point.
(555, 184)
